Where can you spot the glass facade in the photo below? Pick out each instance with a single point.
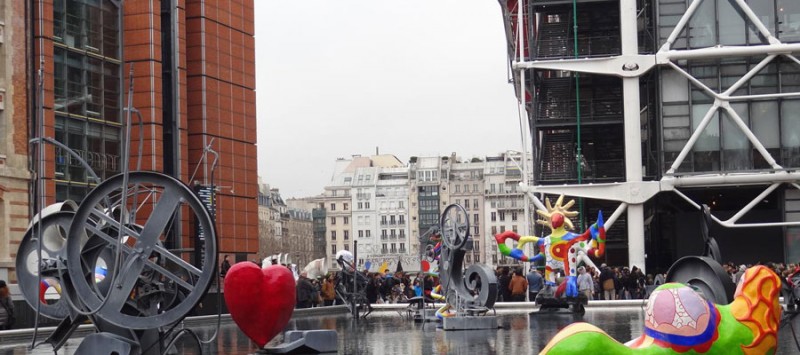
(87, 92)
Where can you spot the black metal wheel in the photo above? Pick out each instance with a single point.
(705, 275)
(151, 286)
(455, 226)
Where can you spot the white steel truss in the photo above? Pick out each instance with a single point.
(630, 65)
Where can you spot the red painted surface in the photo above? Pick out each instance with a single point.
(260, 301)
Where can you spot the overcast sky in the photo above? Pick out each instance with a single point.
(413, 77)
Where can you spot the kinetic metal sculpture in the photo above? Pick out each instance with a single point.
(469, 292)
(108, 262)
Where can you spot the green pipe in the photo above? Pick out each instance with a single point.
(577, 107)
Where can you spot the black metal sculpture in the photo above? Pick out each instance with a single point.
(705, 273)
(469, 292)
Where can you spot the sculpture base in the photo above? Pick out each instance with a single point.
(306, 342)
(574, 305)
(425, 315)
(469, 323)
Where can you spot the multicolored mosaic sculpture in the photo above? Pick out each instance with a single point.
(679, 320)
(562, 249)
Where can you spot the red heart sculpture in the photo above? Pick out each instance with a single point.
(260, 301)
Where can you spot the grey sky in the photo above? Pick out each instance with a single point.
(414, 77)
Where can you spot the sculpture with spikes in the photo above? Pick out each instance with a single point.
(561, 249)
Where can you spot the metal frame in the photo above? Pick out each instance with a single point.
(631, 65)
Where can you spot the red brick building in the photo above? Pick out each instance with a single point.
(194, 85)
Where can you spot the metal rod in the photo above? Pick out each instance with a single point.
(614, 216)
(681, 24)
(755, 21)
(695, 136)
(763, 63)
(353, 303)
(751, 136)
(752, 203)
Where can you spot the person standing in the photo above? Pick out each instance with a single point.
(535, 283)
(607, 280)
(585, 283)
(328, 292)
(7, 318)
(304, 291)
(226, 265)
(503, 281)
(517, 286)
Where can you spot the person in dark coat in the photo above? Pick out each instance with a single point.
(305, 291)
(503, 281)
(7, 317)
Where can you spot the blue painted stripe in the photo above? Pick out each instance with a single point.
(682, 340)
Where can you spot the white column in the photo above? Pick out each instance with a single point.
(633, 134)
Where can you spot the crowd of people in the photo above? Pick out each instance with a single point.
(603, 283)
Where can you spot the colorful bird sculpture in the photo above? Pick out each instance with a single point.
(679, 320)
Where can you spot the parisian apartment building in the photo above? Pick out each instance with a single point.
(390, 209)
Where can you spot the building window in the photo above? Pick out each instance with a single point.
(366, 205)
(458, 188)
(360, 205)
(513, 216)
(383, 234)
(384, 249)
(394, 248)
(345, 206)
(494, 216)
(514, 228)
(346, 235)
(333, 205)
(383, 220)
(391, 220)
(502, 216)
(402, 233)
(392, 233)
(476, 230)
(333, 249)
(475, 218)
(502, 229)
(333, 220)
(401, 205)
(361, 234)
(346, 220)
(494, 230)
(333, 235)
(347, 247)
(403, 248)
(87, 87)
(369, 233)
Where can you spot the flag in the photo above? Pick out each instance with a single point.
(384, 267)
(399, 266)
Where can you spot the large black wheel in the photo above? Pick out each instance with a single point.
(705, 275)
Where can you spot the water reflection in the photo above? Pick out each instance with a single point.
(387, 333)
